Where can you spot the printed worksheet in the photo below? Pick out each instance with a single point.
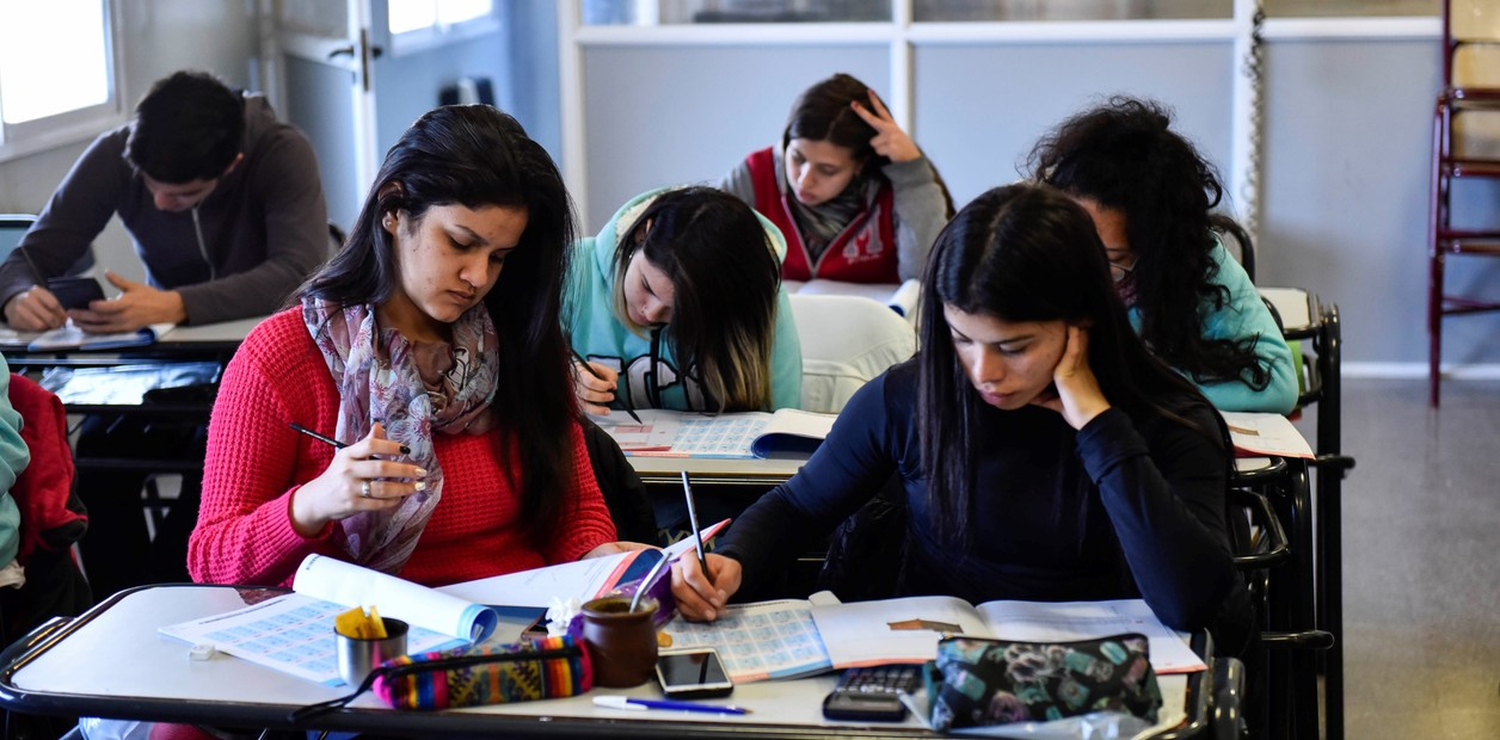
(769, 639)
(291, 633)
(740, 435)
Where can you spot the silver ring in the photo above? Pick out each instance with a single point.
(364, 490)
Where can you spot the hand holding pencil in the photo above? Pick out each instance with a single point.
(596, 385)
(702, 586)
(363, 476)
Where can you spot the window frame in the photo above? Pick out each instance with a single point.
(440, 34)
(81, 124)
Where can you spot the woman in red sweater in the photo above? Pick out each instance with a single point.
(431, 345)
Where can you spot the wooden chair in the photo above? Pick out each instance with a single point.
(1465, 146)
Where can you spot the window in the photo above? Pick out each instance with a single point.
(57, 82)
(415, 25)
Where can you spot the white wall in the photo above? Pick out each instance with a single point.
(158, 37)
(1346, 152)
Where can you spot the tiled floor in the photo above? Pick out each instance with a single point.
(1422, 561)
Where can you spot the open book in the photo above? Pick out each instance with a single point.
(294, 632)
(70, 336)
(907, 630)
(782, 639)
(735, 435)
(582, 579)
(1265, 434)
(901, 298)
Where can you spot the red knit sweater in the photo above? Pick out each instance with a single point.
(256, 463)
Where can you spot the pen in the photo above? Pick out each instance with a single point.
(590, 370)
(320, 437)
(630, 702)
(687, 492)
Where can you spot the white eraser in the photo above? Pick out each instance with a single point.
(201, 652)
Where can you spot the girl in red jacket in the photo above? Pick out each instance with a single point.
(431, 348)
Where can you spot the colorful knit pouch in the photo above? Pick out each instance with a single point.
(549, 668)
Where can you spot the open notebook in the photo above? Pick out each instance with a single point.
(792, 637)
(749, 434)
(70, 336)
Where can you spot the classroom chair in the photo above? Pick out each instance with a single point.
(1272, 536)
(846, 341)
(1465, 146)
(14, 225)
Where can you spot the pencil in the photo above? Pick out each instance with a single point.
(687, 492)
(590, 370)
(320, 437)
(35, 273)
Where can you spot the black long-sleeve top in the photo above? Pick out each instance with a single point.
(1123, 508)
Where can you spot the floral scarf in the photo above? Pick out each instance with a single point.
(414, 389)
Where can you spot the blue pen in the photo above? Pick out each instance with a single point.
(630, 702)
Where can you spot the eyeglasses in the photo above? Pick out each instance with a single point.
(1119, 271)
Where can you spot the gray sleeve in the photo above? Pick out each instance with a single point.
(739, 184)
(920, 213)
(296, 220)
(79, 209)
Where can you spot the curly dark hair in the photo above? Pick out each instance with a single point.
(1124, 156)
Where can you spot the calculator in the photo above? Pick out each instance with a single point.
(872, 693)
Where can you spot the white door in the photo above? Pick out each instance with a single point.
(330, 61)
(320, 65)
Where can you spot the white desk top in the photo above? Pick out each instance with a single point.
(162, 683)
(226, 331)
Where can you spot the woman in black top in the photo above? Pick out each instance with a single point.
(1043, 452)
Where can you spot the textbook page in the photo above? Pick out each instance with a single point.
(902, 630)
(768, 639)
(792, 430)
(293, 632)
(584, 579)
(1032, 621)
(907, 630)
(1265, 434)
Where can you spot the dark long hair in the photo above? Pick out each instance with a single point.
(822, 113)
(1125, 156)
(474, 156)
(1022, 253)
(726, 280)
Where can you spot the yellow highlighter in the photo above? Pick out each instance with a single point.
(355, 623)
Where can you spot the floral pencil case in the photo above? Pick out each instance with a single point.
(977, 682)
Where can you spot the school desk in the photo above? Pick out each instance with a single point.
(112, 662)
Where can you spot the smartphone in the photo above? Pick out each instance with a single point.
(75, 292)
(692, 673)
